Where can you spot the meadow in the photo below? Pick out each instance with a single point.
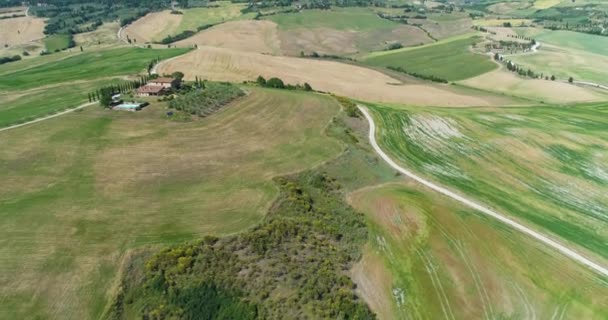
(81, 190)
(451, 60)
(86, 66)
(568, 39)
(56, 42)
(431, 258)
(358, 19)
(551, 177)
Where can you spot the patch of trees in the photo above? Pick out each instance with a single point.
(14, 15)
(184, 34)
(293, 265)
(349, 107)
(317, 55)
(418, 75)
(277, 83)
(207, 99)
(4, 60)
(104, 94)
(394, 46)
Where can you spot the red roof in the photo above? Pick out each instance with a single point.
(150, 89)
(162, 80)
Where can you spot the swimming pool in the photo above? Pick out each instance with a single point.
(128, 106)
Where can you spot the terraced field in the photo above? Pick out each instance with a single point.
(450, 60)
(551, 177)
(80, 190)
(431, 258)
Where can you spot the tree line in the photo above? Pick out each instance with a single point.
(418, 75)
(104, 94)
(277, 83)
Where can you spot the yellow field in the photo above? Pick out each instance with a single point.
(343, 79)
(153, 26)
(104, 35)
(500, 22)
(259, 36)
(544, 4)
(19, 31)
(506, 82)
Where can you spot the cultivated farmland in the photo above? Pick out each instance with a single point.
(446, 261)
(505, 82)
(107, 182)
(451, 60)
(19, 31)
(552, 177)
(344, 79)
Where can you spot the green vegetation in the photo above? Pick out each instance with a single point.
(539, 173)
(4, 60)
(218, 12)
(108, 182)
(292, 265)
(89, 65)
(58, 42)
(205, 101)
(451, 60)
(568, 39)
(446, 260)
(359, 19)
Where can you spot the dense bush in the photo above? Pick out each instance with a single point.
(293, 265)
(349, 107)
(207, 101)
(418, 75)
(4, 60)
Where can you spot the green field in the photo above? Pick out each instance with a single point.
(450, 60)
(447, 261)
(18, 107)
(552, 177)
(565, 63)
(81, 190)
(86, 66)
(359, 19)
(57, 42)
(568, 39)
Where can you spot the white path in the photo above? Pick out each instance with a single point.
(602, 270)
(48, 117)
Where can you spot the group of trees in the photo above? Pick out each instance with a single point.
(307, 240)
(4, 60)
(279, 84)
(418, 75)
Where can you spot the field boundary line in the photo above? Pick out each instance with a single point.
(47, 117)
(572, 254)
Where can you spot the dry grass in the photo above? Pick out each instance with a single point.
(104, 35)
(548, 91)
(153, 27)
(374, 283)
(444, 29)
(343, 79)
(19, 31)
(96, 183)
(247, 35)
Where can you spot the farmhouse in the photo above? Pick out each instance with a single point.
(164, 82)
(150, 90)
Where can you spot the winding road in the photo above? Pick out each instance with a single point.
(572, 254)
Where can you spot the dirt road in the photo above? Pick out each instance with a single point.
(48, 117)
(572, 254)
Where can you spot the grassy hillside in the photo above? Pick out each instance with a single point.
(568, 39)
(552, 177)
(81, 189)
(451, 60)
(359, 19)
(89, 65)
(196, 17)
(447, 261)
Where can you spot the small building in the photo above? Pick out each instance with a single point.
(164, 82)
(150, 90)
